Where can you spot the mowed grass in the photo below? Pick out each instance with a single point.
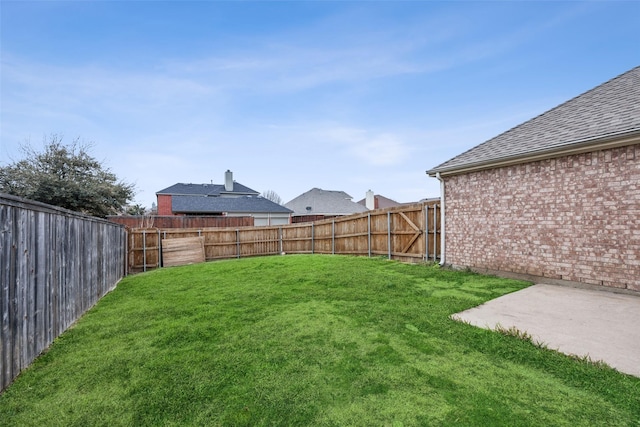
(308, 341)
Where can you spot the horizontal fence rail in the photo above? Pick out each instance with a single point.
(54, 265)
(408, 233)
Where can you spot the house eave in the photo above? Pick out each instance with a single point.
(575, 147)
(184, 194)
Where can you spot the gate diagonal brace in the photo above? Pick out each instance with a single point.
(415, 236)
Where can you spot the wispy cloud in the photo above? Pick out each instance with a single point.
(294, 60)
(96, 85)
(41, 98)
(356, 94)
(369, 146)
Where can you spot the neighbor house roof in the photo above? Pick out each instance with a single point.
(324, 202)
(382, 202)
(204, 204)
(206, 189)
(608, 113)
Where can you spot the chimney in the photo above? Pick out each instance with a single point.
(370, 201)
(228, 180)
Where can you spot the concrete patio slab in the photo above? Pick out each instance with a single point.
(602, 325)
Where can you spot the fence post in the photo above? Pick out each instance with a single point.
(126, 253)
(426, 232)
(237, 243)
(312, 236)
(389, 233)
(369, 233)
(159, 250)
(144, 250)
(280, 237)
(333, 237)
(435, 232)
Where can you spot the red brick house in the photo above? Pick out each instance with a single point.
(556, 198)
(230, 199)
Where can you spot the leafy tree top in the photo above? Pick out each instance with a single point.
(66, 175)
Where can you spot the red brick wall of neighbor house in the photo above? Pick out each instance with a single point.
(574, 218)
(164, 204)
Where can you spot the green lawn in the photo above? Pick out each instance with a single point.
(306, 341)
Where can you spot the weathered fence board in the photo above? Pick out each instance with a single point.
(54, 265)
(187, 250)
(407, 233)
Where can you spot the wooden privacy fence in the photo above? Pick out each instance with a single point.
(54, 265)
(408, 233)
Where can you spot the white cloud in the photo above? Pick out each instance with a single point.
(373, 148)
(89, 88)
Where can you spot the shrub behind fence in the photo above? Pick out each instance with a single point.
(54, 265)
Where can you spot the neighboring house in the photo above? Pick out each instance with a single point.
(318, 204)
(228, 199)
(557, 197)
(375, 201)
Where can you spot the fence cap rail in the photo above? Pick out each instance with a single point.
(203, 229)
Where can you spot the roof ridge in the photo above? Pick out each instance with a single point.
(547, 112)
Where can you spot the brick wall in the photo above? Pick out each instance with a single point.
(573, 218)
(164, 204)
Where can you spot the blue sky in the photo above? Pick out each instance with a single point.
(291, 95)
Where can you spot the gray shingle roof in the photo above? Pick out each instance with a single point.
(609, 110)
(204, 204)
(324, 202)
(205, 189)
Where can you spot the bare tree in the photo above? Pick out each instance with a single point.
(273, 196)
